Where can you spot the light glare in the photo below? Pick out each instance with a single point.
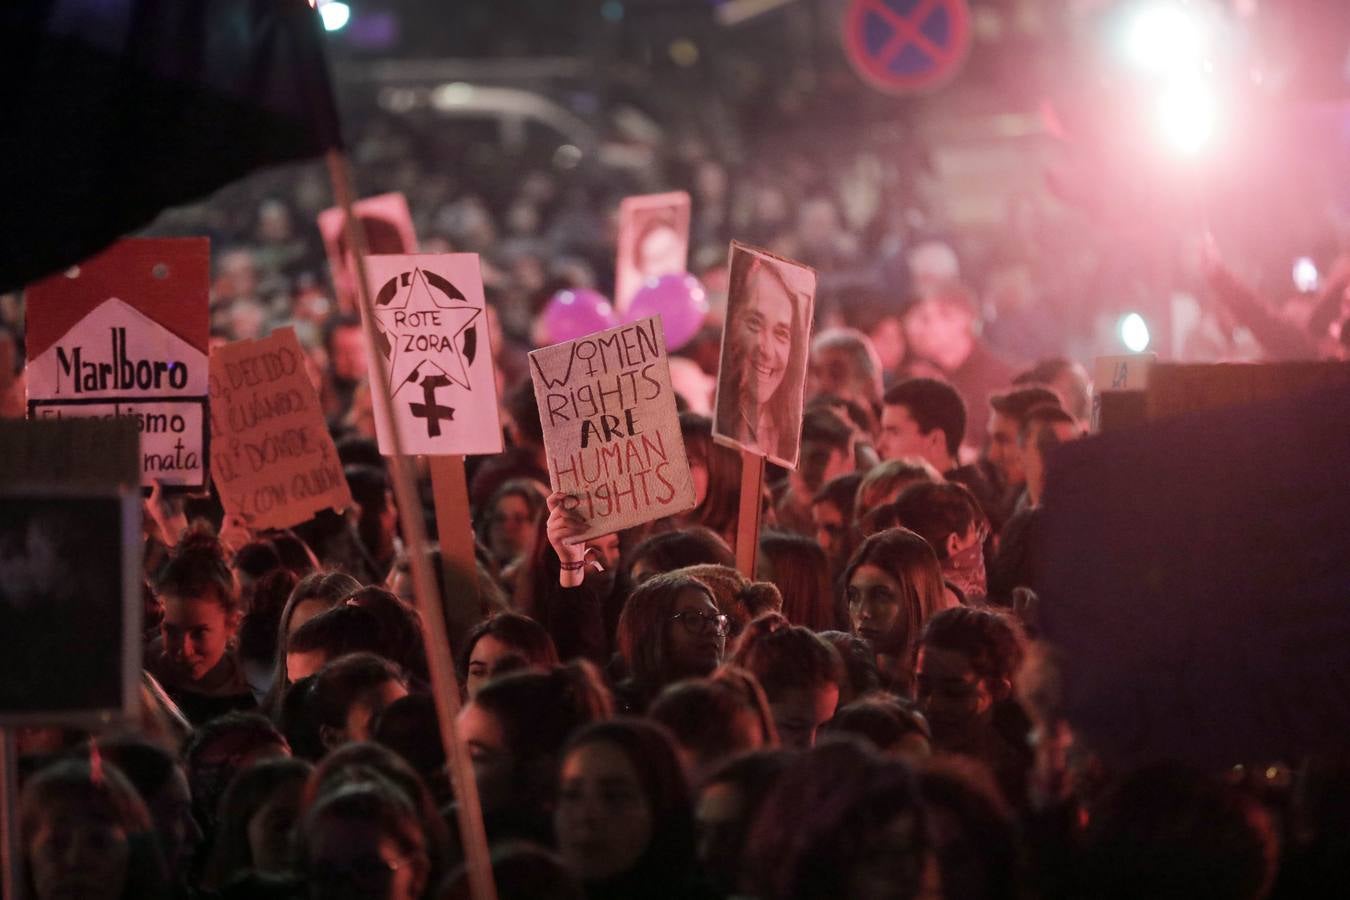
(1187, 111)
(335, 15)
(1164, 37)
(1134, 333)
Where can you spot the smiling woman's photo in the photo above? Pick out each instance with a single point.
(764, 350)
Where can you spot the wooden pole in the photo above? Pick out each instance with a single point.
(10, 853)
(450, 492)
(445, 689)
(750, 512)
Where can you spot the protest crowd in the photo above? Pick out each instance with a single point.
(873, 712)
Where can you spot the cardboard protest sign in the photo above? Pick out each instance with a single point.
(1195, 580)
(1176, 388)
(125, 334)
(761, 378)
(1113, 375)
(433, 333)
(389, 229)
(653, 241)
(274, 463)
(611, 431)
(70, 571)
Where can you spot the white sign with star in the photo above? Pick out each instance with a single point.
(433, 334)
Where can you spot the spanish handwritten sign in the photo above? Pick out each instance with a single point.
(274, 463)
(432, 331)
(124, 335)
(611, 430)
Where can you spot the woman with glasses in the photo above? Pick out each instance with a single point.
(670, 628)
(893, 586)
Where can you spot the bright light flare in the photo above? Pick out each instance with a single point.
(1134, 333)
(1305, 275)
(1187, 112)
(335, 14)
(1162, 36)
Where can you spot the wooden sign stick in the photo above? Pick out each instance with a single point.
(10, 852)
(450, 492)
(750, 512)
(444, 688)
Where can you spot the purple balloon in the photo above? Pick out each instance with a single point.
(679, 300)
(575, 313)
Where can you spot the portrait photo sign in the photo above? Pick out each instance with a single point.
(432, 330)
(274, 463)
(611, 430)
(761, 378)
(653, 241)
(125, 335)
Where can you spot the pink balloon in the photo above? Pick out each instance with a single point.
(679, 300)
(575, 313)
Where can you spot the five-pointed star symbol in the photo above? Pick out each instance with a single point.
(408, 366)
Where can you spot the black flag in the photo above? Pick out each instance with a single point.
(113, 110)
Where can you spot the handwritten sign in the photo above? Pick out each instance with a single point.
(124, 335)
(611, 430)
(432, 330)
(761, 377)
(274, 463)
(653, 241)
(1116, 374)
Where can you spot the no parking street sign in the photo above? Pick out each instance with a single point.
(907, 46)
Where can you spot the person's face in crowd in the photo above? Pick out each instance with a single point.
(303, 612)
(197, 632)
(271, 831)
(304, 664)
(874, 608)
(831, 372)
(800, 712)
(888, 337)
(510, 529)
(901, 437)
(349, 858)
(831, 529)
(1003, 452)
(178, 831)
(493, 762)
(939, 331)
(488, 653)
(764, 329)
(603, 818)
(274, 223)
(659, 253)
(76, 855)
(237, 275)
(348, 354)
(246, 319)
(368, 707)
(953, 698)
(1033, 461)
(719, 815)
(607, 546)
(695, 646)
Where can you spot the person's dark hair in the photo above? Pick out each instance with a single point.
(256, 558)
(978, 852)
(842, 492)
(197, 568)
(825, 432)
(295, 553)
(860, 665)
(1167, 832)
(991, 640)
(520, 871)
(863, 363)
(400, 629)
(337, 632)
(643, 635)
(538, 710)
(719, 508)
(409, 726)
(753, 775)
(785, 657)
(1015, 404)
(326, 587)
(523, 408)
(298, 721)
(884, 720)
(936, 511)
(344, 680)
(932, 404)
(359, 450)
(785, 409)
(217, 750)
(1046, 371)
(739, 598)
(696, 429)
(373, 801)
(370, 489)
(854, 796)
(522, 633)
(337, 323)
(1040, 416)
(908, 559)
(671, 550)
(800, 569)
(105, 795)
(648, 747)
(886, 479)
(250, 790)
(258, 629)
(701, 714)
(147, 766)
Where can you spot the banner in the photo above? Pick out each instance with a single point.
(433, 333)
(611, 430)
(274, 463)
(124, 335)
(761, 377)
